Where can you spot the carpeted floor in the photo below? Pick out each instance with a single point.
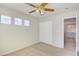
(42, 49)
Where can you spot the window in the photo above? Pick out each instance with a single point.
(5, 19)
(26, 23)
(18, 21)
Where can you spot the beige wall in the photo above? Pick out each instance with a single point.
(14, 37)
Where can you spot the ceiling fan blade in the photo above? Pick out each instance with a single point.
(31, 5)
(43, 4)
(32, 11)
(49, 9)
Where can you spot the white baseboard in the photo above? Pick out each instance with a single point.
(52, 44)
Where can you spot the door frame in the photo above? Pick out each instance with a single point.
(64, 29)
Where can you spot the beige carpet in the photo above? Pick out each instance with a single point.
(42, 49)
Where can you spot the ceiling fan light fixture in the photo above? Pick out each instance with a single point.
(37, 10)
(41, 8)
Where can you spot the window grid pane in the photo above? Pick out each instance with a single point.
(26, 23)
(5, 19)
(18, 21)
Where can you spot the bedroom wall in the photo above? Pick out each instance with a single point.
(46, 32)
(57, 27)
(13, 37)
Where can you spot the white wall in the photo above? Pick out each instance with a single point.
(56, 32)
(46, 32)
(58, 27)
(14, 37)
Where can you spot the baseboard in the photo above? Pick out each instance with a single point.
(6, 53)
(52, 44)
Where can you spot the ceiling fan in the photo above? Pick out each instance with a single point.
(40, 8)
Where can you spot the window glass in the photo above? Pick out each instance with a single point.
(5, 19)
(18, 21)
(26, 23)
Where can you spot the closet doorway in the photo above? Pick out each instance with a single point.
(70, 34)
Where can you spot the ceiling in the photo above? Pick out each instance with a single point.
(59, 7)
